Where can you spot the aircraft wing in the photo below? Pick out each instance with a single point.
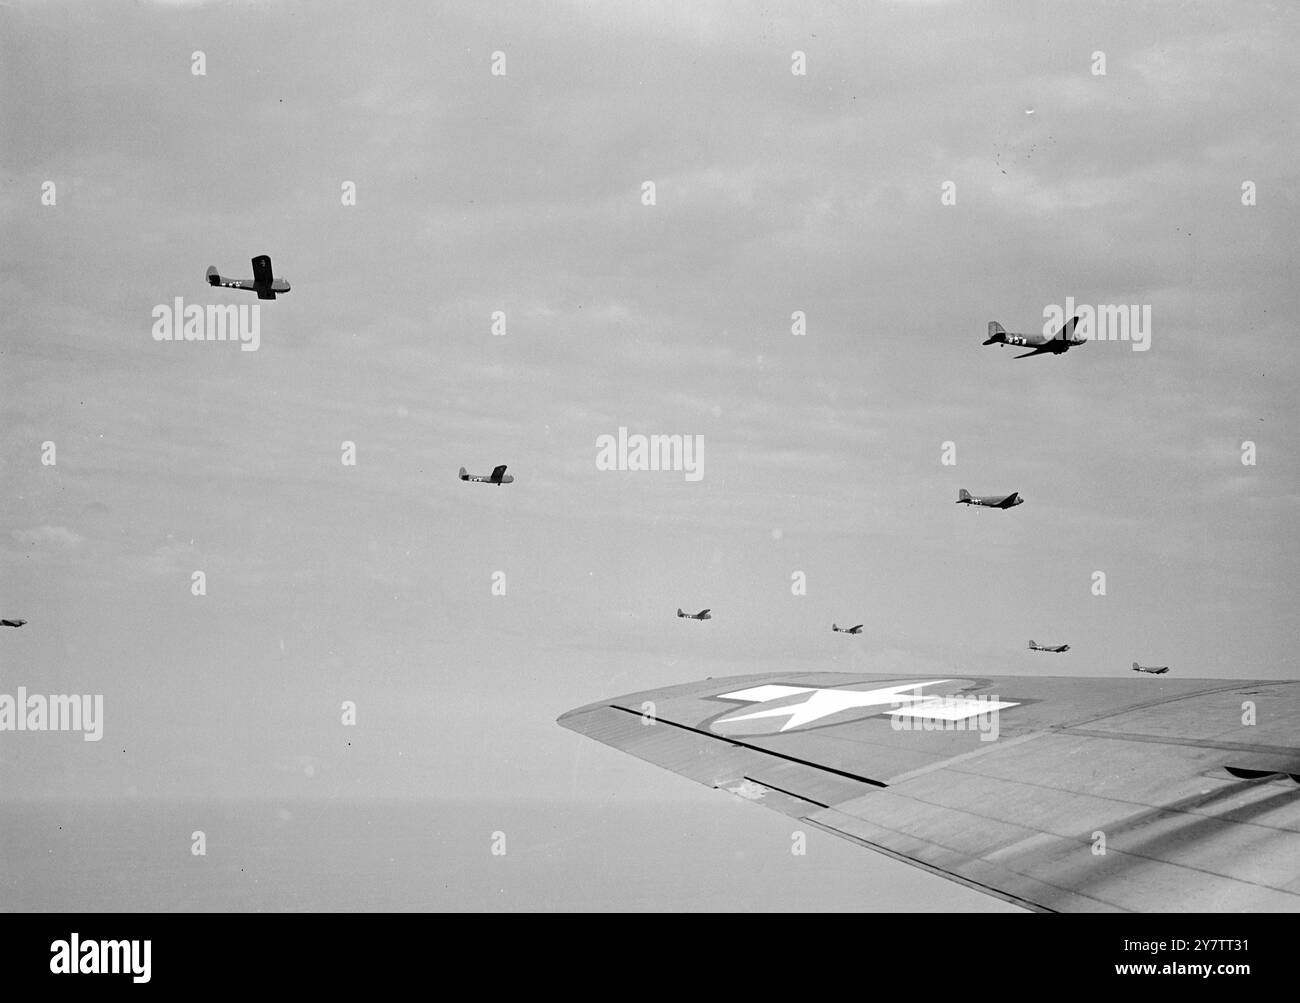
(1040, 350)
(1010, 499)
(262, 270)
(1067, 329)
(498, 472)
(1138, 768)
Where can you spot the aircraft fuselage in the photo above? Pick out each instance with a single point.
(1049, 343)
(990, 501)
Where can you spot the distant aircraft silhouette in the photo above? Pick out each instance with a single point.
(12, 623)
(701, 615)
(964, 497)
(1154, 670)
(263, 282)
(846, 630)
(1057, 344)
(497, 477)
(1056, 649)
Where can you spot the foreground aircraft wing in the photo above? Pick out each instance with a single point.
(498, 472)
(1142, 764)
(1040, 350)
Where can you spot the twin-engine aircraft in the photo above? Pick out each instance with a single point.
(1041, 344)
(497, 477)
(846, 630)
(964, 497)
(1054, 648)
(12, 623)
(701, 615)
(1155, 670)
(263, 282)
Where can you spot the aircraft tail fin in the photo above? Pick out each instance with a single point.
(1135, 666)
(463, 473)
(1033, 643)
(963, 496)
(214, 278)
(679, 611)
(997, 333)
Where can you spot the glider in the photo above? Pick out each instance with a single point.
(263, 282)
(497, 477)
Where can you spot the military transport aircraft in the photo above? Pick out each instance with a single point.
(1001, 783)
(12, 623)
(701, 615)
(964, 497)
(847, 630)
(498, 476)
(1056, 649)
(263, 282)
(1056, 344)
(1155, 670)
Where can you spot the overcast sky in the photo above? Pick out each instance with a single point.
(522, 193)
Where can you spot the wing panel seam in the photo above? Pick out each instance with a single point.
(757, 748)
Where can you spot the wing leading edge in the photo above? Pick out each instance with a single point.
(1195, 810)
